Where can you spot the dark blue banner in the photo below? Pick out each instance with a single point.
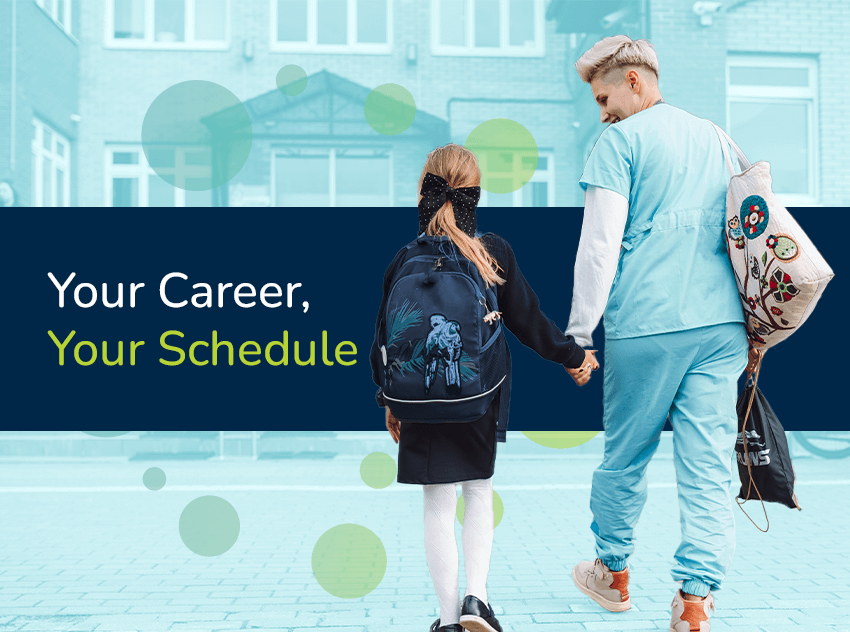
(338, 257)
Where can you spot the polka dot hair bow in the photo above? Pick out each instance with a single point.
(436, 191)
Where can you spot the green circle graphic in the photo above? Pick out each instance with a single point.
(209, 526)
(390, 109)
(291, 80)
(106, 434)
(153, 479)
(506, 152)
(560, 439)
(197, 135)
(498, 509)
(349, 561)
(378, 470)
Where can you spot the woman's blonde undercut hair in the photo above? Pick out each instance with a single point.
(618, 51)
(459, 167)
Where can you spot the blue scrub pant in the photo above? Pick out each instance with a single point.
(692, 375)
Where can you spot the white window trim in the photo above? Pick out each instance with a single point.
(504, 50)
(278, 151)
(782, 95)
(312, 45)
(547, 176)
(141, 172)
(63, 162)
(66, 28)
(148, 42)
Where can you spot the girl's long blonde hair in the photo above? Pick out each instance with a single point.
(459, 167)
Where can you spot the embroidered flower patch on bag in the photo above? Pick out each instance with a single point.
(780, 273)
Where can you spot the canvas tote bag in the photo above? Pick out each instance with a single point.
(780, 273)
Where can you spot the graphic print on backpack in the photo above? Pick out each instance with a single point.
(413, 355)
(443, 343)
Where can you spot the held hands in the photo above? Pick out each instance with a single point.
(581, 375)
(393, 425)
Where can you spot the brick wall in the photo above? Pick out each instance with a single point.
(693, 66)
(118, 85)
(5, 91)
(691, 57)
(47, 88)
(812, 28)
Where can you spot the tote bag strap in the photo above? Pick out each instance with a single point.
(742, 159)
(752, 484)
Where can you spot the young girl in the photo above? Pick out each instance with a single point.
(439, 456)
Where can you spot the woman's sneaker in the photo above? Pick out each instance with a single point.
(476, 616)
(452, 627)
(691, 616)
(610, 589)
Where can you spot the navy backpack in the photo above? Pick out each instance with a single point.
(441, 359)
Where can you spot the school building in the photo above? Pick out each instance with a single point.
(77, 78)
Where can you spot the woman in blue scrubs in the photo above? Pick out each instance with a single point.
(652, 259)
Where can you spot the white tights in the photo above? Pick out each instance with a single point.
(441, 545)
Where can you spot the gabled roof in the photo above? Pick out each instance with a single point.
(330, 106)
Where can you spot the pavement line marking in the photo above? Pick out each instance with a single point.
(334, 488)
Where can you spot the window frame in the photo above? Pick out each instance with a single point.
(547, 176)
(782, 95)
(63, 162)
(141, 171)
(312, 45)
(66, 27)
(149, 43)
(504, 49)
(332, 149)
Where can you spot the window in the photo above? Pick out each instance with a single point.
(131, 181)
(766, 94)
(59, 10)
(539, 191)
(499, 28)
(344, 26)
(331, 177)
(173, 24)
(51, 161)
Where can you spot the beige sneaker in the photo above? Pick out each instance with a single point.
(691, 616)
(610, 589)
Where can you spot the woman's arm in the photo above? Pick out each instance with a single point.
(605, 215)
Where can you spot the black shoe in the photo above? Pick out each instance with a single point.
(453, 627)
(476, 616)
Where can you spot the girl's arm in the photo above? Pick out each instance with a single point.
(605, 215)
(521, 313)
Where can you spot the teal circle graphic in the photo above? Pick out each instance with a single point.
(506, 152)
(209, 526)
(153, 479)
(390, 109)
(754, 216)
(197, 135)
(378, 470)
(291, 80)
(349, 561)
(106, 434)
(498, 509)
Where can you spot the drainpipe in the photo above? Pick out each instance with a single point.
(14, 90)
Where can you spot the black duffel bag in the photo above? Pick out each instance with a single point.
(764, 461)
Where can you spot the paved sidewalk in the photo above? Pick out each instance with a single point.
(84, 546)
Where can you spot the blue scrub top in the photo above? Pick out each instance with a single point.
(674, 272)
